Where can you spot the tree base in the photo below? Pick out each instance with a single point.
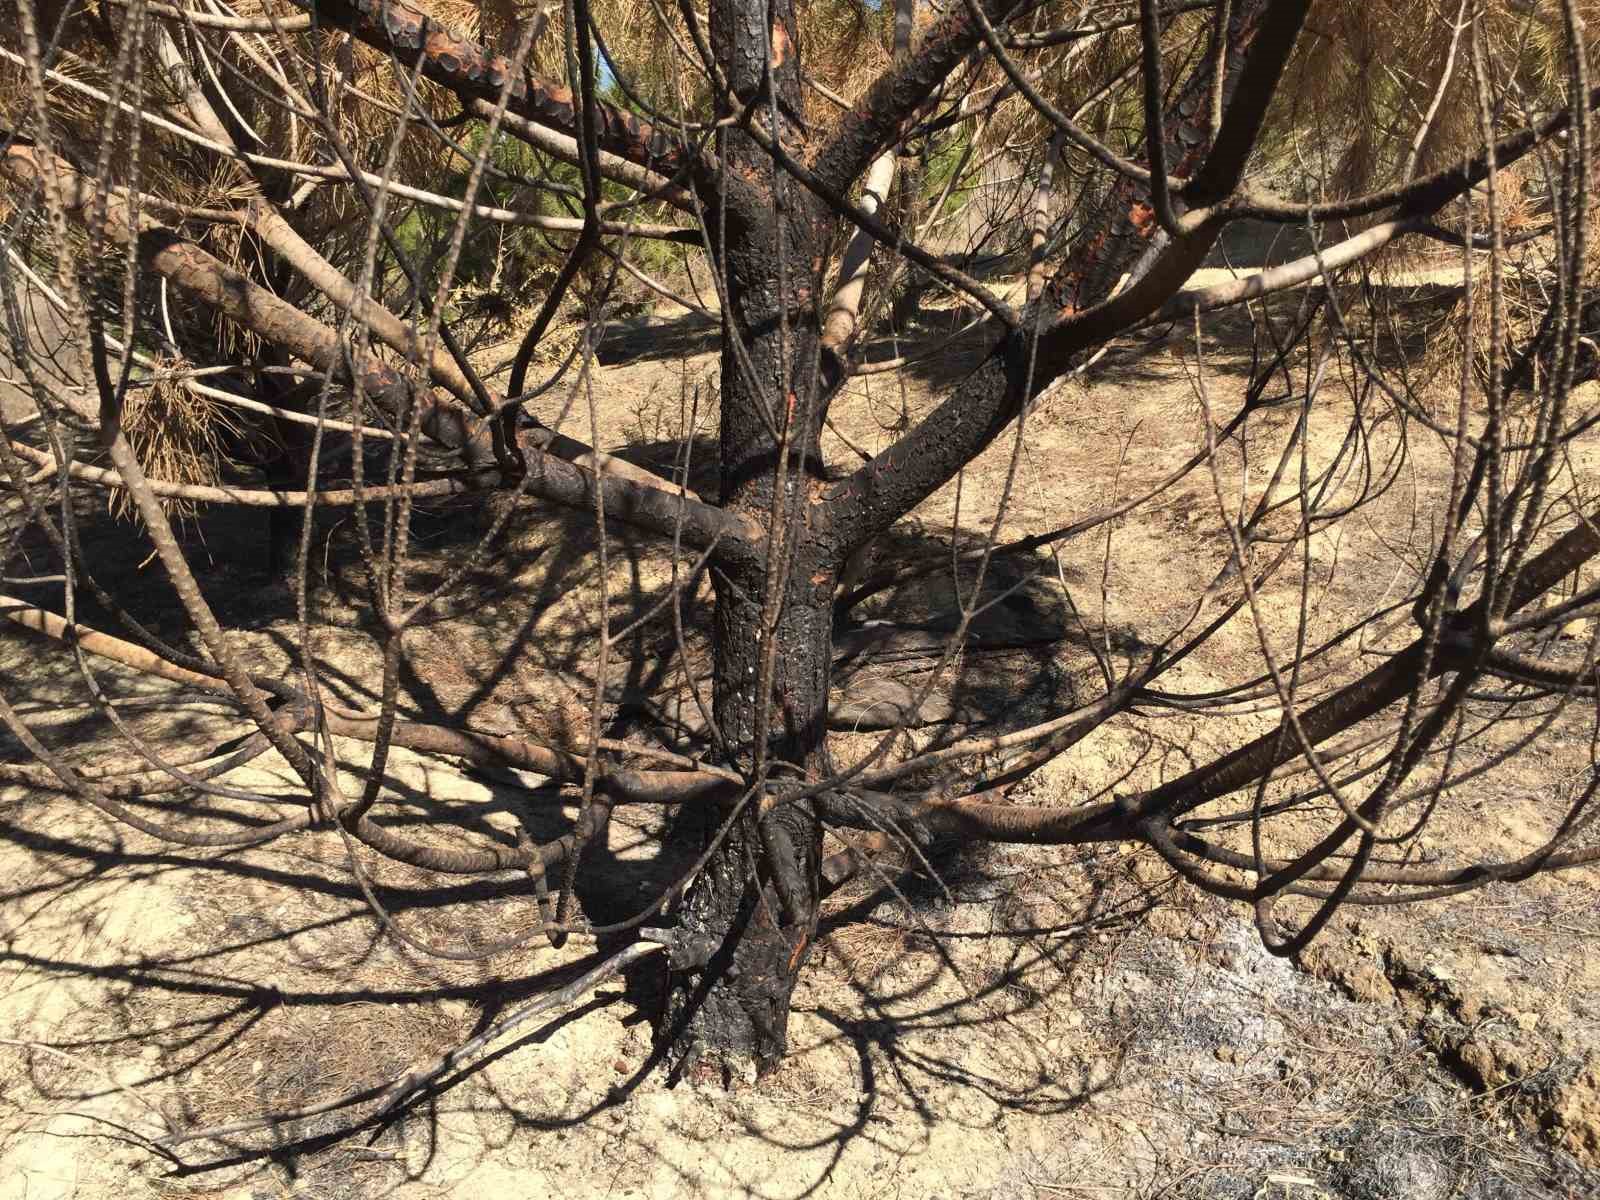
(728, 1018)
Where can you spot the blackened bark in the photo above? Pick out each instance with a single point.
(474, 72)
(1122, 233)
(876, 122)
(728, 1020)
(757, 897)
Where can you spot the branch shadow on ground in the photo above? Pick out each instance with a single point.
(895, 1014)
(283, 930)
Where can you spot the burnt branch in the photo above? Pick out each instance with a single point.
(474, 73)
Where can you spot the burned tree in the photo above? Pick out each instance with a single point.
(210, 154)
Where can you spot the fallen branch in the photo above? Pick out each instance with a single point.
(452, 485)
(20, 612)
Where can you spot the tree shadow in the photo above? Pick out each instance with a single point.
(649, 338)
(516, 654)
(667, 458)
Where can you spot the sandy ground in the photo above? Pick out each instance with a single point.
(1044, 1024)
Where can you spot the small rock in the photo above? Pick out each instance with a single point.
(1525, 1021)
(1576, 630)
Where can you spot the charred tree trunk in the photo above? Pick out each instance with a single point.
(756, 900)
(751, 912)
